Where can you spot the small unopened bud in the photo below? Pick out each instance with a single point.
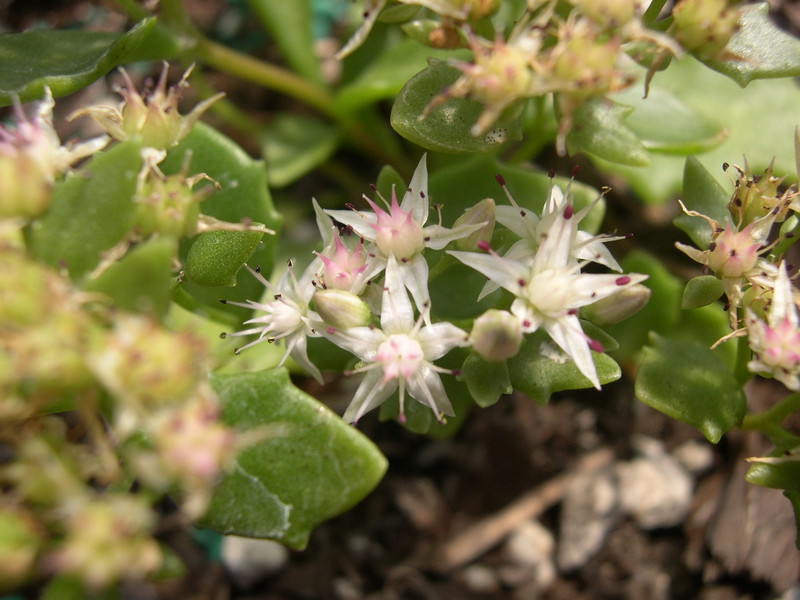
(617, 307)
(482, 212)
(167, 204)
(496, 335)
(341, 309)
(609, 13)
(20, 541)
(704, 27)
(108, 540)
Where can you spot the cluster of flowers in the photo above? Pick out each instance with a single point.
(746, 255)
(102, 411)
(577, 57)
(388, 326)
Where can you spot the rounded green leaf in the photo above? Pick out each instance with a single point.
(701, 291)
(90, 212)
(216, 256)
(295, 144)
(536, 374)
(308, 467)
(486, 381)
(142, 280)
(689, 382)
(701, 193)
(758, 49)
(65, 61)
(664, 123)
(599, 128)
(446, 128)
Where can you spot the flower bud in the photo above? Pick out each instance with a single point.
(167, 204)
(193, 447)
(704, 27)
(482, 212)
(341, 309)
(756, 195)
(733, 253)
(496, 335)
(21, 538)
(154, 118)
(609, 13)
(108, 540)
(585, 63)
(617, 307)
(147, 367)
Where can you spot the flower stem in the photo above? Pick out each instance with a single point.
(769, 421)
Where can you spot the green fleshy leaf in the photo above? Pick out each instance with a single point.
(141, 280)
(758, 49)
(387, 73)
(293, 145)
(64, 61)
(290, 25)
(538, 376)
(760, 119)
(486, 381)
(664, 123)
(701, 291)
(387, 178)
(701, 193)
(310, 466)
(243, 195)
(446, 128)
(689, 382)
(90, 212)
(780, 472)
(216, 256)
(599, 128)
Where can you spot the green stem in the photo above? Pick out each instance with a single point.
(769, 421)
(743, 355)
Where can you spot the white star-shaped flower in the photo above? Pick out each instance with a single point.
(401, 234)
(286, 317)
(551, 289)
(400, 354)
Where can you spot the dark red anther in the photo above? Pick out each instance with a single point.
(568, 211)
(350, 206)
(596, 346)
(624, 280)
(483, 245)
(551, 173)
(499, 179)
(575, 170)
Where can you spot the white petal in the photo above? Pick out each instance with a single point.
(783, 305)
(370, 394)
(426, 387)
(397, 314)
(324, 224)
(504, 272)
(360, 222)
(555, 243)
(416, 197)
(414, 274)
(567, 333)
(437, 237)
(297, 347)
(588, 288)
(361, 341)
(521, 221)
(438, 339)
